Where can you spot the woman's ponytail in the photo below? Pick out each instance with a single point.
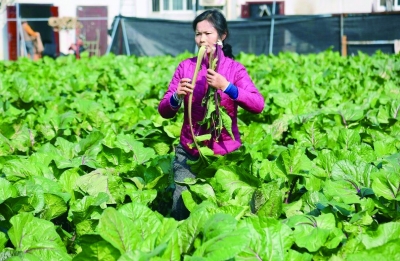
(227, 49)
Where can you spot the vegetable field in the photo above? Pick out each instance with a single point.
(85, 163)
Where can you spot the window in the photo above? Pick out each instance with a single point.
(389, 2)
(166, 4)
(388, 5)
(177, 5)
(172, 5)
(156, 5)
(189, 4)
(396, 5)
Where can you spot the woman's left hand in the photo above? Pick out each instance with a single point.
(216, 80)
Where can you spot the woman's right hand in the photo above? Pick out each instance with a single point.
(184, 87)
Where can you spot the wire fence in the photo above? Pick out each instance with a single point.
(301, 34)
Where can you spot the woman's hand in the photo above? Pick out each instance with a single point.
(184, 87)
(216, 80)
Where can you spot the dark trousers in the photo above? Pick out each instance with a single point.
(181, 171)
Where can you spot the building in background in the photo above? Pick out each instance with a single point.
(256, 8)
(96, 16)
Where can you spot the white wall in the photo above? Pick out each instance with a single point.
(302, 7)
(327, 7)
(3, 35)
(67, 8)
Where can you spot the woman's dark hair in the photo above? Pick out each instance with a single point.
(217, 19)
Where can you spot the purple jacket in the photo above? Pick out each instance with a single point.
(249, 98)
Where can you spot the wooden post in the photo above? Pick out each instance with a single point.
(344, 45)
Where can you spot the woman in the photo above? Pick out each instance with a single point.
(231, 81)
(33, 41)
(29, 37)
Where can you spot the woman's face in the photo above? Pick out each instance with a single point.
(206, 34)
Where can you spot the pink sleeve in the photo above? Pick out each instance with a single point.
(164, 108)
(249, 97)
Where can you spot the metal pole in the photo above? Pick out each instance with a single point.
(114, 31)
(341, 25)
(271, 36)
(77, 36)
(128, 51)
(18, 31)
(196, 2)
(341, 32)
(22, 44)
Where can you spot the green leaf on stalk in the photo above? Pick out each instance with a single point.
(3, 241)
(145, 229)
(311, 136)
(348, 138)
(227, 122)
(190, 229)
(68, 180)
(7, 190)
(87, 207)
(220, 232)
(203, 191)
(294, 161)
(55, 206)
(12, 206)
(389, 251)
(230, 188)
(387, 147)
(267, 200)
(94, 247)
(386, 184)
(102, 181)
(293, 208)
(269, 239)
(142, 256)
(359, 172)
(141, 154)
(173, 130)
(91, 144)
(201, 138)
(37, 237)
(316, 232)
(341, 190)
(384, 234)
(117, 229)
